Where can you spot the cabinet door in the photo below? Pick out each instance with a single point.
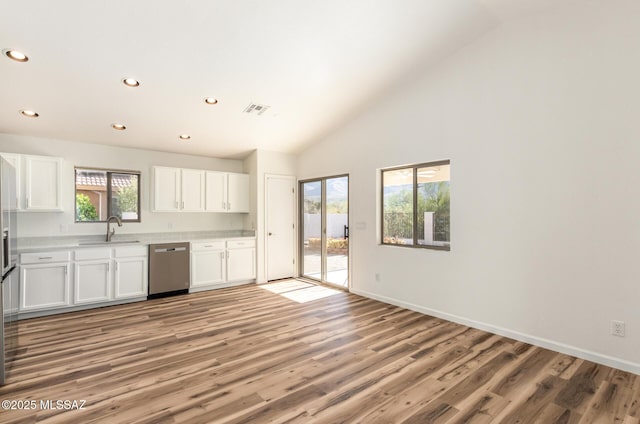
(14, 159)
(238, 193)
(43, 183)
(92, 281)
(207, 267)
(44, 286)
(192, 190)
(166, 189)
(131, 277)
(216, 191)
(241, 264)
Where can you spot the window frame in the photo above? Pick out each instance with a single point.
(414, 169)
(109, 172)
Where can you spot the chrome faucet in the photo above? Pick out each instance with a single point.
(113, 231)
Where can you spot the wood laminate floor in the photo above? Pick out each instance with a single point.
(249, 355)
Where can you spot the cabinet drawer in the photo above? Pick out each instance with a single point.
(234, 244)
(130, 251)
(88, 254)
(210, 245)
(44, 257)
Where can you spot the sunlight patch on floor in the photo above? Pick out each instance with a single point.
(299, 291)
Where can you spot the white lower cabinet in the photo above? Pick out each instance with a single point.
(241, 264)
(44, 281)
(44, 286)
(92, 281)
(99, 276)
(207, 264)
(92, 276)
(130, 277)
(219, 263)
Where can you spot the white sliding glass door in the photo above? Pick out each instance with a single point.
(324, 230)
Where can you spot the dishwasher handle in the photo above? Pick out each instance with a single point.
(170, 249)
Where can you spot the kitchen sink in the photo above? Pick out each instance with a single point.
(107, 243)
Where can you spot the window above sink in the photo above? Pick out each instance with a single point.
(101, 193)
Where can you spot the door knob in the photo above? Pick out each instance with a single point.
(270, 234)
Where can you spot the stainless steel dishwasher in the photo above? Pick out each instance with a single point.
(168, 269)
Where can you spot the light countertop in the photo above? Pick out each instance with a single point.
(38, 244)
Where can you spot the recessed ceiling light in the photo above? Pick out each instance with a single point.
(118, 127)
(29, 113)
(15, 55)
(184, 137)
(210, 100)
(131, 82)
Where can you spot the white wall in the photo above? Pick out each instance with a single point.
(260, 164)
(94, 155)
(540, 121)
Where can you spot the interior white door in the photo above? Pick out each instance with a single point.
(280, 219)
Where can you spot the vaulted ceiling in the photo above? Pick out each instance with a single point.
(315, 64)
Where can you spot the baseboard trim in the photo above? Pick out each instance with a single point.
(74, 308)
(523, 337)
(220, 286)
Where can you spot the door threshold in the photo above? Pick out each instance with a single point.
(322, 283)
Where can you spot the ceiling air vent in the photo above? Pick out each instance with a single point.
(256, 109)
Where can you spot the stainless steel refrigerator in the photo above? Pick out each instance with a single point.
(10, 293)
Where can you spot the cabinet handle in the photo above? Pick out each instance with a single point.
(183, 204)
(28, 203)
(208, 245)
(116, 266)
(45, 257)
(228, 206)
(227, 254)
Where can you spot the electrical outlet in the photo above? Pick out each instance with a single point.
(618, 328)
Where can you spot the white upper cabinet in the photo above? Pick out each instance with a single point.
(166, 192)
(195, 190)
(237, 193)
(177, 189)
(16, 160)
(193, 193)
(227, 192)
(216, 191)
(43, 183)
(38, 182)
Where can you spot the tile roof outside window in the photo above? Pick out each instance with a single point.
(99, 179)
